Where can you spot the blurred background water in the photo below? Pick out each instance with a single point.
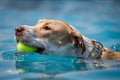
(96, 19)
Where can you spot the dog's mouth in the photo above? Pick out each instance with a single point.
(40, 49)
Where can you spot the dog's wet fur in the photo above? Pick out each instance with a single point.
(55, 37)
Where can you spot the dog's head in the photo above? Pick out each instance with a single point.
(49, 34)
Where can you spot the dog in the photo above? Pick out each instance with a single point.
(55, 37)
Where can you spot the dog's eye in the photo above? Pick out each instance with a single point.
(46, 28)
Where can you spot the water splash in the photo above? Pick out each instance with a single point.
(116, 47)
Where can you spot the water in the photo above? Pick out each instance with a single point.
(96, 19)
(34, 66)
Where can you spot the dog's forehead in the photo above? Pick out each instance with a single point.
(48, 21)
(42, 20)
(56, 24)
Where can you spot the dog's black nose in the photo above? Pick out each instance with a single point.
(19, 30)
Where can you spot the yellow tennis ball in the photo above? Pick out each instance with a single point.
(25, 48)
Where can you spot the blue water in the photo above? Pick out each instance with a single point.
(96, 19)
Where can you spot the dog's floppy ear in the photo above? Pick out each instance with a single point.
(77, 40)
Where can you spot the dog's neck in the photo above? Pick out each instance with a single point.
(88, 46)
(93, 48)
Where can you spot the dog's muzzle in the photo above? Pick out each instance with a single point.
(26, 36)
